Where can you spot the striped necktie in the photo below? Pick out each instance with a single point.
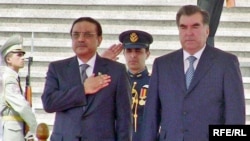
(83, 71)
(190, 70)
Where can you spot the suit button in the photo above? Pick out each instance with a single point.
(184, 113)
(84, 108)
(184, 130)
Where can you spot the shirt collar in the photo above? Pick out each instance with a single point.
(197, 54)
(91, 61)
(140, 74)
(14, 73)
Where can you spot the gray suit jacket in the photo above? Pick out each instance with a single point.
(107, 114)
(215, 96)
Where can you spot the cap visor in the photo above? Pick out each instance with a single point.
(135, 46)
(18, 51)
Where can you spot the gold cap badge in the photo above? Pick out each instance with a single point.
(133, 37)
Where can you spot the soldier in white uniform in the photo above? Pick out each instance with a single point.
(15, 110)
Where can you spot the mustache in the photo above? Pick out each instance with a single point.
(81, 45)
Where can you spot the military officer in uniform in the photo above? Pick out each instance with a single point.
(15, 110)
(135, 46)
(136, 51)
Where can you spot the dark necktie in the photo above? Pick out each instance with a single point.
(19, 83)
(83, 71)
(190, 70)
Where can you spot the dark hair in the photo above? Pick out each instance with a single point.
(189, 10)
(91, 20)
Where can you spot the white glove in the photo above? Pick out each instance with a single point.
(30, 136)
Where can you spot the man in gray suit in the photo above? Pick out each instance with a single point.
(97, 108)
(175, 111)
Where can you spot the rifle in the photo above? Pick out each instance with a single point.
(28, 90)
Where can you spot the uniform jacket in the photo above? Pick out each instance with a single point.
(104, 116)
(139, 83)
(215, 96)
(14, 104)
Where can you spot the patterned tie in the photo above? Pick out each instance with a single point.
(83, 71)
(190, 70)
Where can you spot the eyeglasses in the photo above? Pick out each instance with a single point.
(77, 35)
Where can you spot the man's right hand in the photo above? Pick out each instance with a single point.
(112, 52)
(95, 83)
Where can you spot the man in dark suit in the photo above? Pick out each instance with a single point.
(97, 108)
(176, 110)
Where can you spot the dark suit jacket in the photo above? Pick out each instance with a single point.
(215, 96)
(104, 116)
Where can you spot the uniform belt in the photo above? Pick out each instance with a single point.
(12, 118)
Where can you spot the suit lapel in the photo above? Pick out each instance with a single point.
(99, 68)
(178, 70)
(205, 63)
(73, 72)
